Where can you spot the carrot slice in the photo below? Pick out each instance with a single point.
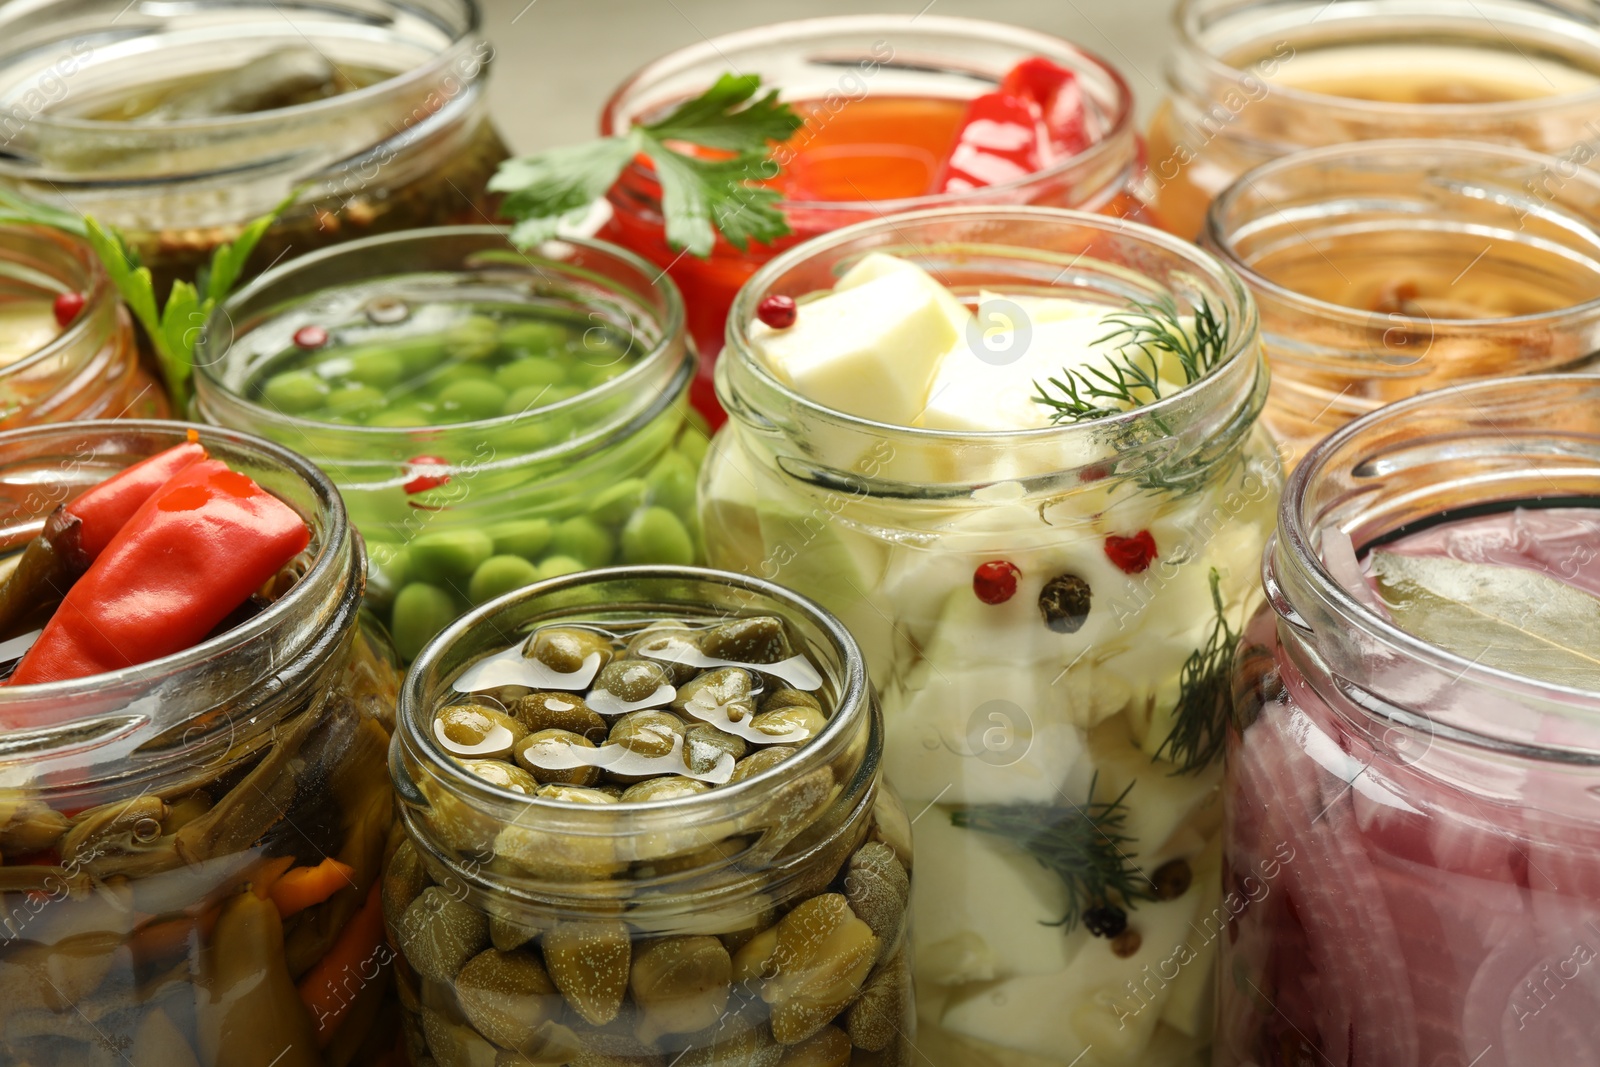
(330, 988)
(301, 887)
(269, 874)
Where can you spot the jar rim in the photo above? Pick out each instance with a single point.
(671, 329)
(1121, 126)
(1186, 21)
(97, 289)
(305, 591)
(1374, 155)
(1297, 531)
(416, 702)
(1225, 281)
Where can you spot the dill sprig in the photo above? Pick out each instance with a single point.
(1205, 696)
(1085, 846)
(1130, 376)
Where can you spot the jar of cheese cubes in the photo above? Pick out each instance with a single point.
(67, 351)
(1249, 82)
(1392, 267)
(645, 822)
(1411, 846)
(1047, 607)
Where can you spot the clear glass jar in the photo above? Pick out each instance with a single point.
(1393, 267)
(834, 63)
(610, 891)
(145, 813)
(1410, 834)
(90, 369)
(997, 716)
(406, 143)
(562, 482)
(1249, 81)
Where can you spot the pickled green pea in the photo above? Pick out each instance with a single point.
(388, 565)
(472, 400)
(354, 401)
(499, 575)
(521, 537)
(593, 375)
(294, 392)
(444, 556)
(380, 368)
(672, 483)
(404, 417)
(692, 444)
(472, 339)
(533, 335)
(460, 372)
(420, 611)
(556, 566)
(585, 540)
(655, 535)
(417, 355)
(558, 393)
(541, 371)
(613, 504)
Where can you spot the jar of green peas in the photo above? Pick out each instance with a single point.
(492, 416)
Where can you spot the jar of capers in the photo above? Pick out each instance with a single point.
(644, 824)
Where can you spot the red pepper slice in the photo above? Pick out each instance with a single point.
(187, 558)
(998, 142)
(103, 510)
(1059, 96)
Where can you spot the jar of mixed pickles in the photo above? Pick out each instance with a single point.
(68, 349)
(191, 846)
(1047, 613)
(1412, 854)
(883, 99)
(1248, 82)
(1392, 267)
(645, 822)
(179, 123)
(492, 416)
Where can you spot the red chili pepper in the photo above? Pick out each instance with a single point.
(1056, 91)
(188, 557)
(1131, 554)
(998, 142)
(103, 510)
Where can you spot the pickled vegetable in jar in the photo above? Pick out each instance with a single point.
(1410, 838)
(492, 417)
(67, 348)
(180, 124)
(191, 843)
(1015, 451)
(1393, 267)
(644, 821)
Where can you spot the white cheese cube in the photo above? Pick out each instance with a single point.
(876, 265)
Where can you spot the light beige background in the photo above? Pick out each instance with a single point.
(557, 60)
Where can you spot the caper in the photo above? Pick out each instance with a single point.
(666, 787)
(723, 694)
(878, 889)
(877, 1018)
(476, 730)
(550, 757)
(403, 881)
(439, 933)
(704, 747)
(506, 996)
(634, 680)
(559, 711)
(505, 775)
(828, 1047)
(764, 760)
(453, 1045)
(680, 985)
(508, 935)
(589, 962)
(735, 1047)
(657, 644)
(792, 725)
(788, 697)
(756, 640)
(810, 966)
(575, 794)
(565, 648)
(647, 733)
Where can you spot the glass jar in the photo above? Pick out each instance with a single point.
(1249, 81)
(95, 112)
(825, 66)
(87, 370)
(145, 814)
(1085, 697)
(560, 485)
(1392, 267)
(1410, 834)
(808, 858)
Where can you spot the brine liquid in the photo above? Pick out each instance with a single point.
(27, 324)
(287, 77)
(1441, 72)
(871, 149)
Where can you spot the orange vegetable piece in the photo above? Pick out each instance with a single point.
(301, 887)
(357, 958)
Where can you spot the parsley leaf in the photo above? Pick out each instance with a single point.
(700, 197)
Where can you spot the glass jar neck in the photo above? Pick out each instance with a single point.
(1523, 441)
(155, 723)
(441, 801)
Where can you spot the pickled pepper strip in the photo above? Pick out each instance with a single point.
(998, 142)
(1056, 91)
(106, 508)
(188, 557)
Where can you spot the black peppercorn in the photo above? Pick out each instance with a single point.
(1064, 603)
(1105, 920)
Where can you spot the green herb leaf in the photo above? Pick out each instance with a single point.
(700, 197)
(1085, 845)
(1510, 618)
(1205, 696)
(16, 209)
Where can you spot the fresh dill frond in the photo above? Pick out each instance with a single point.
(1205, 696)
(1085, 846)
